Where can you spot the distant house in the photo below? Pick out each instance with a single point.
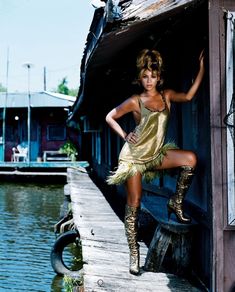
(36, 121)
(179, 29)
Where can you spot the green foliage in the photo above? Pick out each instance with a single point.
(71, 283)
(73, 92)
(70, 149)
(2, 88)
(63, 88)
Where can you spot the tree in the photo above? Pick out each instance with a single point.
(63, 88)
(2, 88)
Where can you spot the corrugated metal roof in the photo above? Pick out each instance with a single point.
(37, 99)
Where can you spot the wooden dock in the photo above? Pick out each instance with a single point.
(33, 168)
(104, 246)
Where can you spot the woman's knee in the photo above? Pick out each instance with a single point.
(133, 201)
(191, 159)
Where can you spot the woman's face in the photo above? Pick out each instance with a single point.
(149, 79)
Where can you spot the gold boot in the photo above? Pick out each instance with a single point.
(175, 204)
(131, 221)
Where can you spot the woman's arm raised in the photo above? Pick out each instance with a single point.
(184, 97)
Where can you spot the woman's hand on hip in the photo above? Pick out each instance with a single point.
(131, 138)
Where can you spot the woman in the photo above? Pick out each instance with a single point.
(144, 154)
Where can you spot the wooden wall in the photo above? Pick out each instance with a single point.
(223, 235)
(197, 126)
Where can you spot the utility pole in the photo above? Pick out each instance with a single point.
(44, 79)
(28, 66)
(4, 111)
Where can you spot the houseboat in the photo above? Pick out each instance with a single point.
(180, 30)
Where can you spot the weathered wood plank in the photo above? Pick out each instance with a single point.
(160, 282)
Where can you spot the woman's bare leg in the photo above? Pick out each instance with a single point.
(176, 158)
(134, 190)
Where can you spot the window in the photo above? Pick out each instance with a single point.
(56, 133)
(230, 92)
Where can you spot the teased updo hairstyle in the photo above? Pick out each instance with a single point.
(149, 60)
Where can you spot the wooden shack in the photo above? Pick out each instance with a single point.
(179, 30)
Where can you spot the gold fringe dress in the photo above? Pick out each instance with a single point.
(148, 153)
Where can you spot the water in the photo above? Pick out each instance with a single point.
(28, 214)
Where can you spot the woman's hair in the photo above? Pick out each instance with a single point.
(149, 60)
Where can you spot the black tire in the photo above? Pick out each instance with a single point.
(57, 262)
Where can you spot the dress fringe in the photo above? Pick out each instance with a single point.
(126, 169)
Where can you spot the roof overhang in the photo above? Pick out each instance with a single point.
(139, 18)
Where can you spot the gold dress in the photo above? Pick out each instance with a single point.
(145, 155)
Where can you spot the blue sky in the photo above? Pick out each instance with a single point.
(46, 33)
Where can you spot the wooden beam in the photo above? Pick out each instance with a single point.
(216, 146)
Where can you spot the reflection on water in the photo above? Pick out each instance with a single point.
(28, 214)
